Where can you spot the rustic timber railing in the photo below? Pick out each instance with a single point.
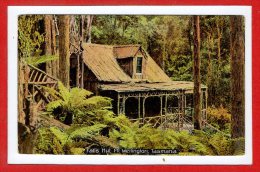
(35, 96)
(34, 83)
(38, 79)
(173, 119)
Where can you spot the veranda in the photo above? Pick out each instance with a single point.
(167, 105)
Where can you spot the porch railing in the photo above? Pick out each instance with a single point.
(173, 119)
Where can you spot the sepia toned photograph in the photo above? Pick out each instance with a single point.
(131, 85)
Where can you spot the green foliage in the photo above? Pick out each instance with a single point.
(61, 136)
(50, 141)
(74, 141)
(132, 135)
(221, 145)
(125, 134)
(29, 36)
(219, 117)
(92, 116)
(89, 116)
(31, 39)
(35, 61)
(78, 105)
(81, 133)
(67, 103)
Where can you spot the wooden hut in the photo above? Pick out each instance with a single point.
(140, 89)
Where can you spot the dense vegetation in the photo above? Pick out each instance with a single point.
(93, 125)
(169, 40)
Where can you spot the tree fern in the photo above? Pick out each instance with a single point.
(78, 105)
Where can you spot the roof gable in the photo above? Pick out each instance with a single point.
(125, 51)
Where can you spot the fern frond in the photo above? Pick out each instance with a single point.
(61, 136)
(106, 142)
(86, 132)
(80, 93)
(53, 105)
(64, 92)
(36, 60)
(52, 92)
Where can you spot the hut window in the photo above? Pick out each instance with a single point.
(139, 65)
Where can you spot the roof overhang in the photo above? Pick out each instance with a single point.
(145, 87)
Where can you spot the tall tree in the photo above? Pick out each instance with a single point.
(89, 26)
(237, 53)
(196, 73)
(64, 51)
(50, 44)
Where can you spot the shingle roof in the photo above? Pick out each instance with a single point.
(154, 73)
(102, 61)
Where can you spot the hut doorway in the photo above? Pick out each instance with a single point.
(131, 107)
(152, 106)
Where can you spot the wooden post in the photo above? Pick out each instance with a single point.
(179, 110)
(77, 72)
(139, 105)
(82, 73)
(118, 104)
(161, 110)
(182, 107)
(123, 103)
(166, 99)
(165, 106)
(143, 108)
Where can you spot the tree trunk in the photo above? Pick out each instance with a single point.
(219, 37)
(50, 44)
(21, 96)
(89, 24)
(237, 53)
(210, 85)
(48, 41)
(64, 51)
(82, 30)
(55, 63)
(196, 74)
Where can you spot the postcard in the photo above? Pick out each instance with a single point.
(129, 85)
